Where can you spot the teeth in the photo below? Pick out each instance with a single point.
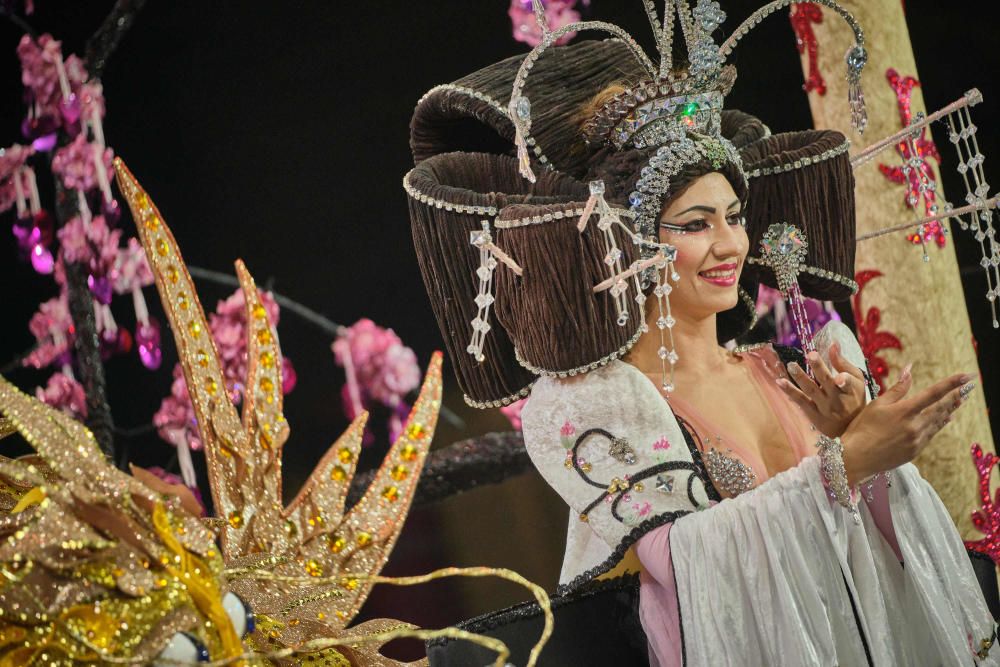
(718, 274)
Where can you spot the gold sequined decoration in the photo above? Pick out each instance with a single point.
(244, 455)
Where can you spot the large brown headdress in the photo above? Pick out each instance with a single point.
(568, 268)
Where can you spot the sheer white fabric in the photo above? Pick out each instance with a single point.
(763, 579)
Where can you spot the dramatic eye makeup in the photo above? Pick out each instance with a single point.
(701, 223)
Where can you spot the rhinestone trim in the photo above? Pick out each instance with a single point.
(799, 164)
(446, 205)
(586, 368)
(500, 402)
(482, 97)
(555, 215)
(819, 273)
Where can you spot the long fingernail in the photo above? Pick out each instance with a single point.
(840, 381)
(905, 375)
(793, 368)
(966, 390)
(967, 378)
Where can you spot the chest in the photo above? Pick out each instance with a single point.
(742, 415)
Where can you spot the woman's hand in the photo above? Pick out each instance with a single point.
(830, 401)
(893, 429)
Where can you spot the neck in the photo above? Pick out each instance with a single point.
(694, 340)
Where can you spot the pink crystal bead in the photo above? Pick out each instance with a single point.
(147, 339)
(100, 287)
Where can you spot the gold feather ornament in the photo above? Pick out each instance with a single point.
(98, 567)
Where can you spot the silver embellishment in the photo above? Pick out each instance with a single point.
(665, 483)
(621, 451)
(729, 474)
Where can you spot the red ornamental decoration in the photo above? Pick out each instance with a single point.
(802, 16)
(871, 339)
(987, 518)
(920, 170)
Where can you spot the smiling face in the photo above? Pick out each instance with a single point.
(706, 225)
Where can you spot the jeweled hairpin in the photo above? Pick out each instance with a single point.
(783, 249)
(648, 113)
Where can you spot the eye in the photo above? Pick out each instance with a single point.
(239, 613)
(737, 219)
(690, 227)
(182, 648)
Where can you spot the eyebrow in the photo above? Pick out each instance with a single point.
(706, 209)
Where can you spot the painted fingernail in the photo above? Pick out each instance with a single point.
(793, 367)
(840, 381)
(967, 378)
(966, 390)
(905, 375)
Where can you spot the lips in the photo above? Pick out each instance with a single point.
(723, 275)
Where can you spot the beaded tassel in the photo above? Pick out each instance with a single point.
(484, 299)
(783, 249)
(962, 135)
(607, 218)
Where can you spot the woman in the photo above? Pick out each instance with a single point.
(730, 481)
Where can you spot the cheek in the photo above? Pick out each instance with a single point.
(690, 256)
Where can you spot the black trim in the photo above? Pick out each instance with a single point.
(619, 552)
(646, 474)
(576, 446)
(689, 439)
(495, 619)
(857, 621)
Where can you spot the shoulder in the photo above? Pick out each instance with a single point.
(602, 441)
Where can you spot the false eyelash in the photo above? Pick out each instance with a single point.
(682, 229)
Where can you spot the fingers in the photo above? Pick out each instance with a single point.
(936, 391)
(820, 371)
(899, 390)
(840, 364)
(806, 383)
(799, 398)
(939, 414)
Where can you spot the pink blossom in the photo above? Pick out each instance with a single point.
(74, 163)
(386, 369)
(11, 160)
(66, 394)
(513, 413)
(567, 430)
(73, 241)
(39, 73)
(53, 330)
(558, 13)
(131, 268)
(175, 420)
(662, 443)
(643, 509)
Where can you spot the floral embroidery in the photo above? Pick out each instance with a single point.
(566, 434)
(662, 443)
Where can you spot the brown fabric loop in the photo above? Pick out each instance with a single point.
(818, 198)
(448, 262)
(562, 81)
(551, 313)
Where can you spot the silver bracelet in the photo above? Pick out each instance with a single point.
(831, 456)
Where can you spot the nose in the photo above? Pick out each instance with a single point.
(729, 240)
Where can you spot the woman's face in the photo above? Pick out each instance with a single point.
(705, 224)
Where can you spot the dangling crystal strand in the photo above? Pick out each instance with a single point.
(963, 134)
(484, 299)
(665, 324)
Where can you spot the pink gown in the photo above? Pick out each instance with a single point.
(658, 609)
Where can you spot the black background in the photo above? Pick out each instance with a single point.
(277, 132)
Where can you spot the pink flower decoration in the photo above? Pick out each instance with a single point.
(175, 420)
(386, 369)
(73, 241)
(53, 330)
(131, 269)
(662, 443)
(557, 13)
(513, 413)
(12, 159)
(643, 509)
(74, 163)
(567, 430)
(39, 73)
(66, 394)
